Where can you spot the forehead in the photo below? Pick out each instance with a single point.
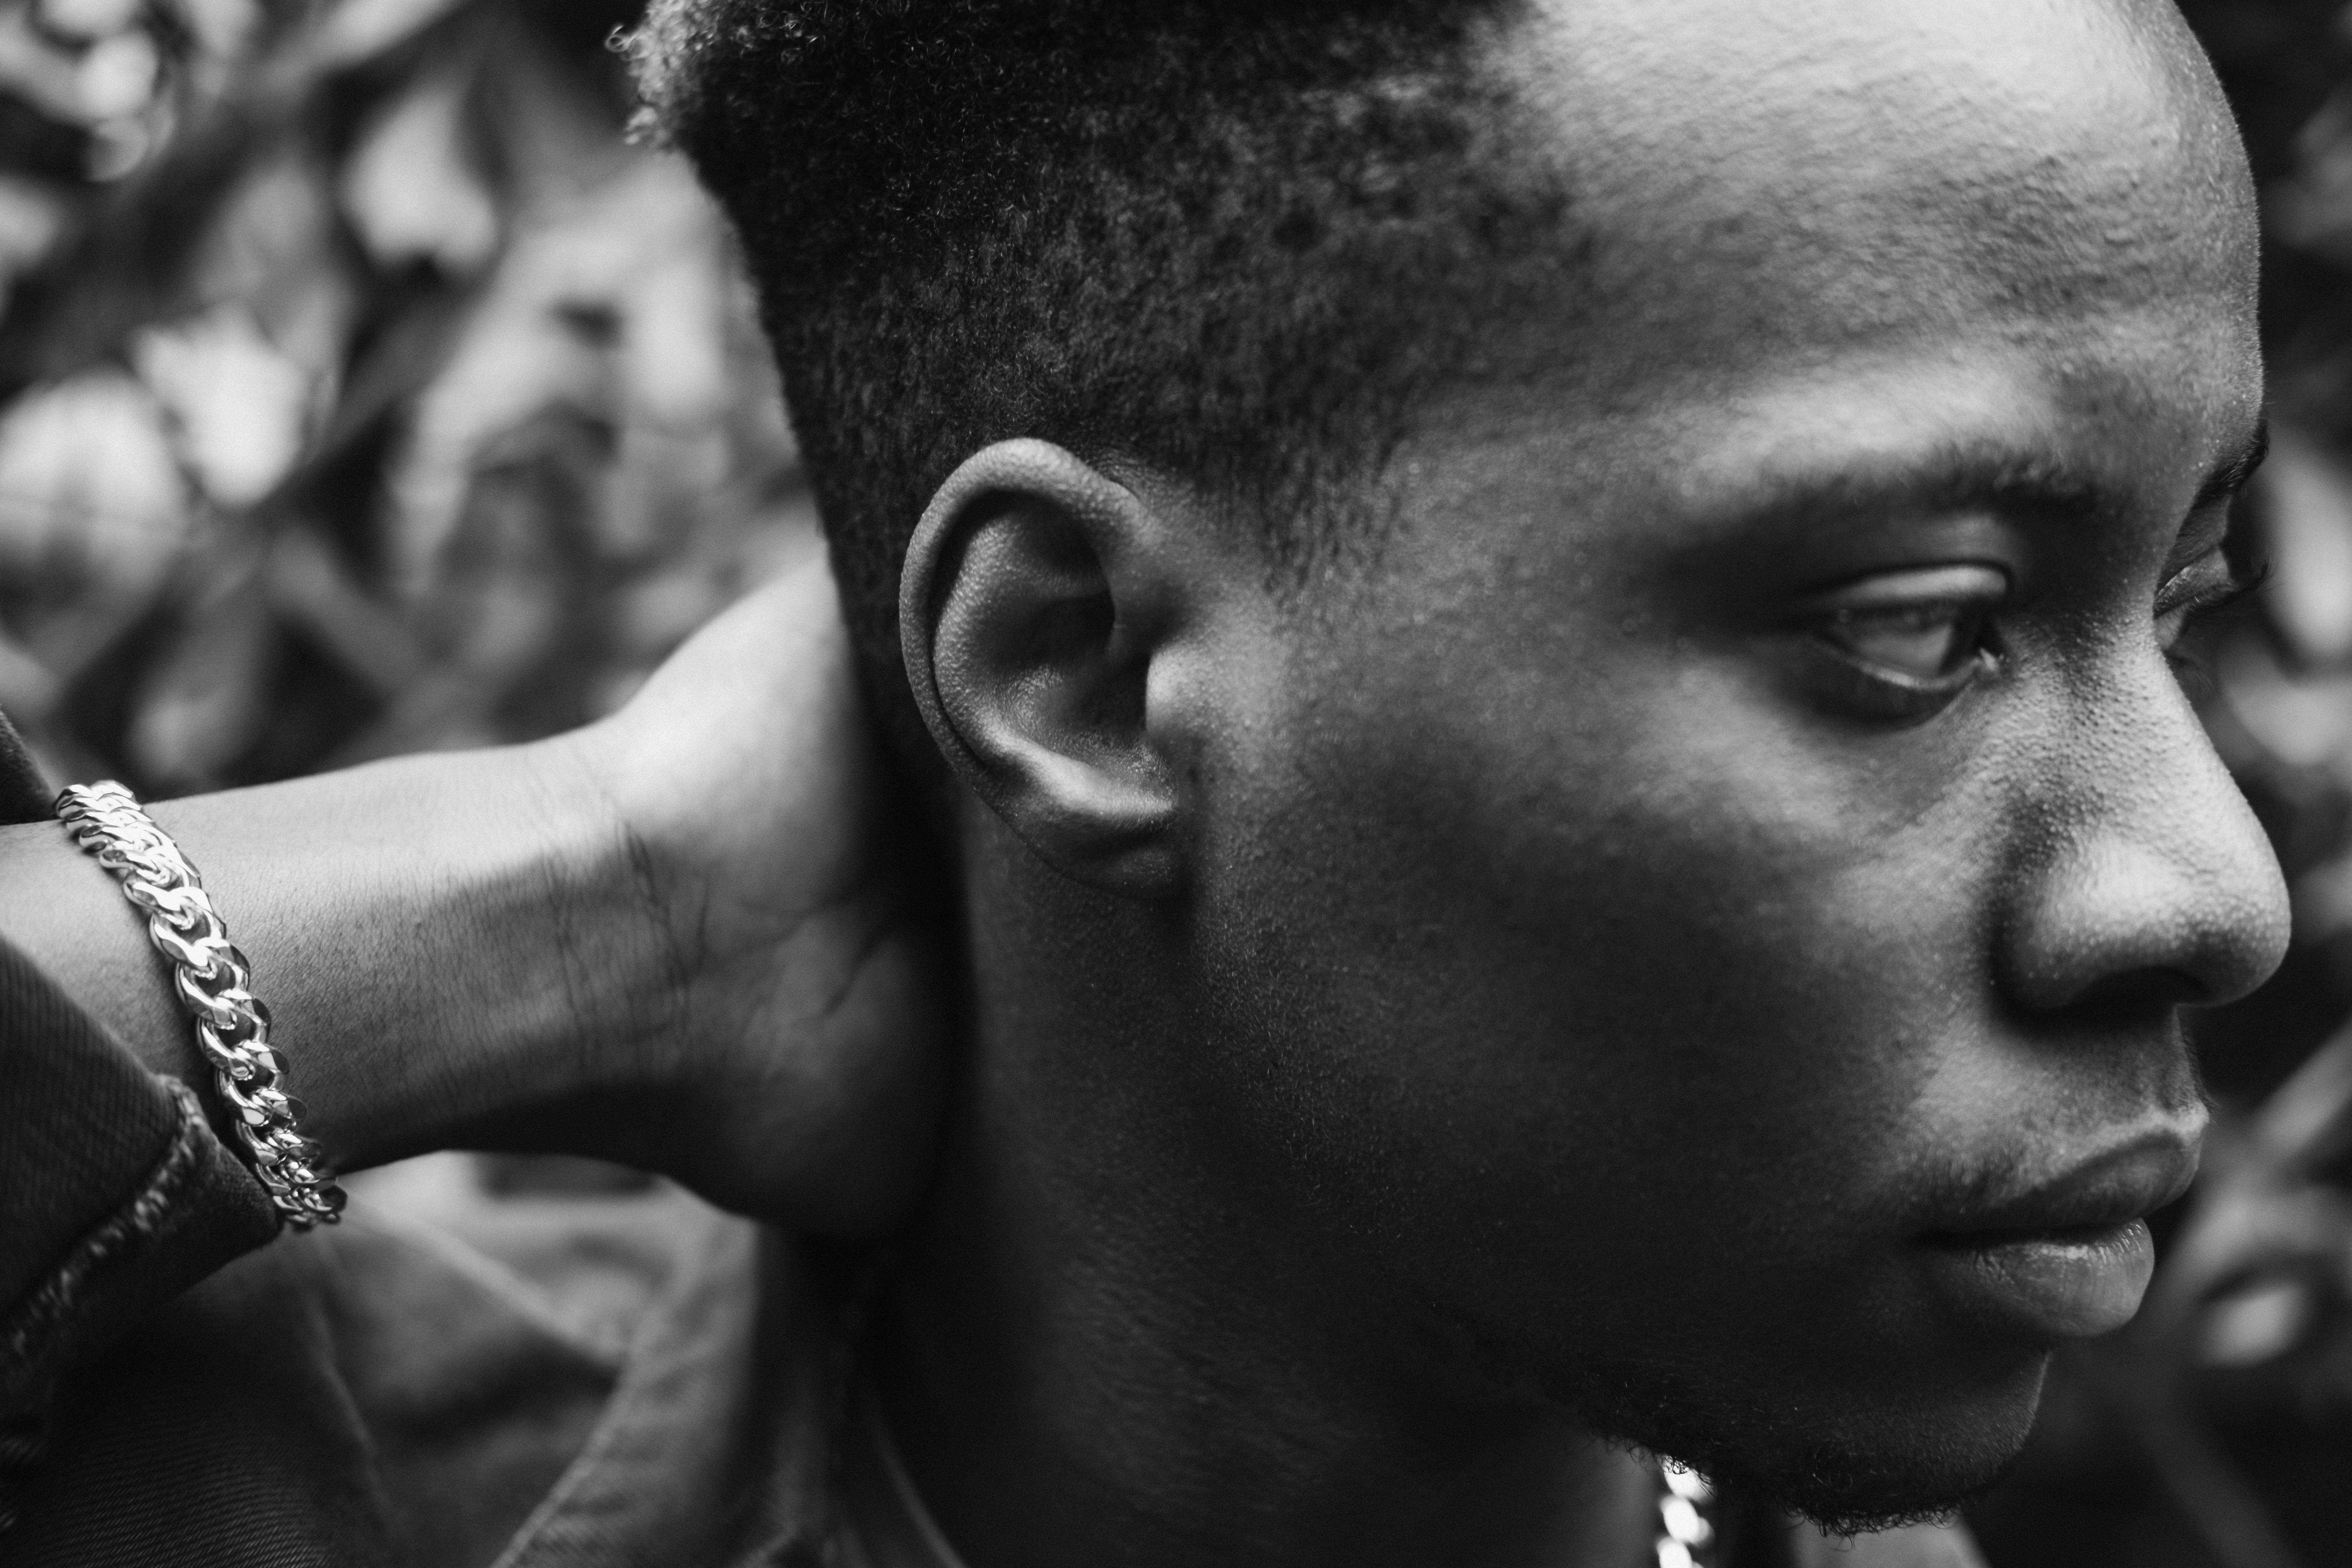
(1771, 186)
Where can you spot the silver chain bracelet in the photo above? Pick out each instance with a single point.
(216, 985)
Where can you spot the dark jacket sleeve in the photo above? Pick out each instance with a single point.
(115, 1196)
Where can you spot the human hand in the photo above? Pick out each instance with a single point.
(789, 1051)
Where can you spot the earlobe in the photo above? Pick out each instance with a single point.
(1029, 614)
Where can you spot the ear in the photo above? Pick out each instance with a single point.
(1030, 608)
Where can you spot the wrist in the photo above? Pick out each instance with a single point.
(619, 889)
(433, 934)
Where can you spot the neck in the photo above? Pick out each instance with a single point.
(1101, 1347)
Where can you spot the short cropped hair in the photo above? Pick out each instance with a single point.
(1234, 240)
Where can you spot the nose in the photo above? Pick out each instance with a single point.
(2147, 879)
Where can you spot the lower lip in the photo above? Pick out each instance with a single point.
(2066, 1285)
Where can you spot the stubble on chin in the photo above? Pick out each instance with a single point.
(1852, 1477)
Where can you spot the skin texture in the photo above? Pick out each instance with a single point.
(1553, 986)
(673, 938)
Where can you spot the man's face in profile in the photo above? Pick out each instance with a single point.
(1698, 928)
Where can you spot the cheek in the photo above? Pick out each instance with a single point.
(1588, 1002)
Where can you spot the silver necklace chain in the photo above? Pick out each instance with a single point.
(1685, 1532)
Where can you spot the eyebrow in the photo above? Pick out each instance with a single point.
(2047, 484)
(1994, 475)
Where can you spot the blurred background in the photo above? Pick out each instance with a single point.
(361, 391)
(364, 390)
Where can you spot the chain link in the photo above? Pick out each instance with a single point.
(1687, 1535)
(215, 984)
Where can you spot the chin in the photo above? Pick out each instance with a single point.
(1850, 1488)
(1851, 1470)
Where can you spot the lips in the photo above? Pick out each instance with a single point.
(2067, 1257)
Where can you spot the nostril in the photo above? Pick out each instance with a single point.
(2124, 917)
(2129, 998)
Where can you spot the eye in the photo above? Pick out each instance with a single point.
(2197, 594)
(2190, 609)
(1921, 643)
(1903, 645)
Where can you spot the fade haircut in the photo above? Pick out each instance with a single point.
(1235, 242)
